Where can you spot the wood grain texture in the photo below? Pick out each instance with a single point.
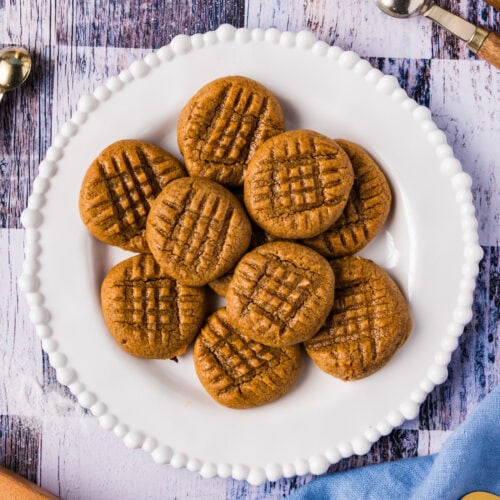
(446, 45)
(80, 70)
(20, 351)
(26, 113)
(20, 441)
(473, 370)
(490, 50)
(399, 444)
(81, 461)
(24, 136)
(414, 75)
(431, 441)
(44, 434)
(137, 24)
(339, 22)
(464, 103)
(494, 3)
(13, 486)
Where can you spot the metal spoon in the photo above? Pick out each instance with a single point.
(15, 66)
(482, 42)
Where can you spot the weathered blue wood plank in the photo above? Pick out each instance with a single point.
(413, 75)
(473, 371)
(448, 46)
(397, 445)
(137, 24)
(77, 40)
(25, 134)
(20, 441)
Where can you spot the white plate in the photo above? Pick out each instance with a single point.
(429, 244)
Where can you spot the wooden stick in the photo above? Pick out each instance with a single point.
(15, 487)
(490, 50)
(494, 3)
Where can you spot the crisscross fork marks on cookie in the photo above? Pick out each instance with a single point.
(151, 308)
(227, 137)
(145, 176)
(280, 293)
(366, 210)
(223, 125)
(368, 322)
(239, 358)
(363, 208)
(355, 307)
(239, 372)
(149, 302)
(276, 291)
(131, 184)
(149, 314)
(298, 186)
(119, 199)
(352, 222)
(119, 187)
(195, 230)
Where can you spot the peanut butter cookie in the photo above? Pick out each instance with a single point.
(280, 294)
(220, 285)
(149, 314)
(259, 237)
(366, 211)
(118, 189)
(197, 230)
(239, 372)
(297, 184)
(369, 321)
(222, 126)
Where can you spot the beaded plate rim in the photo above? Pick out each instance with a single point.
(437, 372)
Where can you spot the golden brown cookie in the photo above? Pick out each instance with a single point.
(366, 211)
(280, 294)
(297, 184)
(118, 189)
(259, 237)
(222, 126)
(369, 321)
(220, 285)
(197, 230)
(149, 314)
(239, 372)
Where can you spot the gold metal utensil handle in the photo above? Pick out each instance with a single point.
(482, 42)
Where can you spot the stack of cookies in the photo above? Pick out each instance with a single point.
(254, 214)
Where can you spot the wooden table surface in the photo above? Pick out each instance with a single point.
(44, 434)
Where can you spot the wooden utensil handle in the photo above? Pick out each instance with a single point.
(494, 3)
(14, 487)
(490, 50)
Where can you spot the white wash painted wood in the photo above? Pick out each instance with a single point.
(81, 461)
(21, 375)
(25, 113)
(77, 45)
(430, 442)
(80, 70)
(352, 24)
(25, 23)
(465, 104)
